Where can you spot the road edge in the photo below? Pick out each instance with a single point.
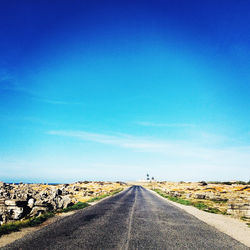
(11, 237)
(228, 225)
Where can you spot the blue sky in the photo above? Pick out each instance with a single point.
(113, 90)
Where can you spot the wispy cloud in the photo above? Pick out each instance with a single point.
(170, 125)
(230, 155)
(120, 140)
(135, 156)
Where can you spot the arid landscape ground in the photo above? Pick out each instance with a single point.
(231, 198)
(23, 202)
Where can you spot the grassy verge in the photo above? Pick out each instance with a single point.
(97, 198)
(200, 205)
(76, 206)
(17, 225)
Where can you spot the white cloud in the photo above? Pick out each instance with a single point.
(231, 155)
(127, 157)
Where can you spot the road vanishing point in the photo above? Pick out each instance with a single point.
(133, 219)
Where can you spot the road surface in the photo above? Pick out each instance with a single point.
(133, 219)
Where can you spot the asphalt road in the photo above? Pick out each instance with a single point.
(133, 219)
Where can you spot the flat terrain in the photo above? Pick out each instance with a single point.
(231, 198)
(133, 219)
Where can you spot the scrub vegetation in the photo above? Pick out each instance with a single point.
(199, 205)
(97, 198)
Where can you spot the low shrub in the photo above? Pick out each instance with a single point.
(78, 205)
(181, 201)
(199, 205)
(105, 195)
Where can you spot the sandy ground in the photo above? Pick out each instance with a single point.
(226, 224)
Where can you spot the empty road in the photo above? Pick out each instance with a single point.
(133, 219)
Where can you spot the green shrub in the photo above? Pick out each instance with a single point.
(76, 206)
(7, 228)
(200, 205)
(181, 201)
(98, 198)
(34, 221)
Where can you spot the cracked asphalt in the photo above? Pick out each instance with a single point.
(132, 219)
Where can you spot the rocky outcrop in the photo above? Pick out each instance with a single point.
(20, 201)
(239, 208)
(199, 196)
(230, 197)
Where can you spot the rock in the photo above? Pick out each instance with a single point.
(36, 211)
(239, 208)
(189, 195)
(43, 194)
(18, 201)
(76, 188)
(202, 183)
(41, 203)
(3, 218)
(10, 202)
(31, 203)
(177, 194)
(15, 212)
(58, 191)
(209, 196)
(199, 196)
(2, 184)
(64, 202)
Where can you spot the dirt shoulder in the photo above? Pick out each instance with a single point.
(228, 225)
(8, 238)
